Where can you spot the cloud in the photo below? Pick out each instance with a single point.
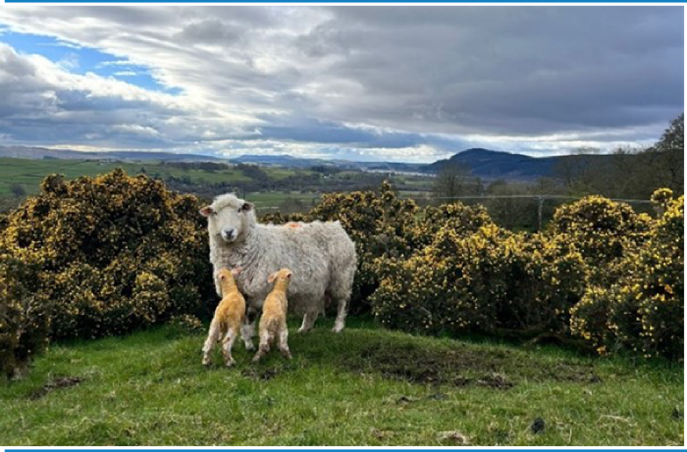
(362, 82)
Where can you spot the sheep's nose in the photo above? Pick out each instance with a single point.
(229, 232)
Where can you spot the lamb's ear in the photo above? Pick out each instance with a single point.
(289, 274)
(247, 206)
(272, 277)
(206, 211)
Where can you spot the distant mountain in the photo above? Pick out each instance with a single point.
(489, 164)
(36, 153)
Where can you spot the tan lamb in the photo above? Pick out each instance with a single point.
(229, 316)
(273, 326)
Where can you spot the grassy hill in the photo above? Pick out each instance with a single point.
(364, 387)
(30, 173)
(280, 184)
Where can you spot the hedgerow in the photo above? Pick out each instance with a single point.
(106, 255)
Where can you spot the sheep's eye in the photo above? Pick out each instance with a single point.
(240, 209)
(214, 213)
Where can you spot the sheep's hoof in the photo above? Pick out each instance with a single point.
(337, 328)
(256, 358)
(206, 362)
(230, 363)
(250, 346)
(303, 330)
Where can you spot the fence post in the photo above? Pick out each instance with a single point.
(540, 210)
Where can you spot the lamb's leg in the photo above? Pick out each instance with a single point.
(228, 344)
(213, 336)
(248, 329)
(283, 342)
(264, 346)
(340, 316)
(308, 321)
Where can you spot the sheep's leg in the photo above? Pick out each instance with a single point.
(283, 342)
(248, 330)
(308, 321)
(264, 346)
(213, 337)
(340, 322)
(228, 344)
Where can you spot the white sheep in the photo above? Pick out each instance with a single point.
(321, 256)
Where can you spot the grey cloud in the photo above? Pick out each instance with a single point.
(209, 31)
(412, 75)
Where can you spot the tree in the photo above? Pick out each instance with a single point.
(575, 170)
(667, 157)
(18, 190)
(451, 181)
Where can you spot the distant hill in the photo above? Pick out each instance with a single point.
(484, 163)
(36, 153)
(489, 164)
(282, 160)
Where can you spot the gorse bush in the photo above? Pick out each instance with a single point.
(643, 309)
(25, 315)
(489, 282)
(602, 230)
(107, 255)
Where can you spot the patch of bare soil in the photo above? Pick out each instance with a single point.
(461, 366)
(53, 385)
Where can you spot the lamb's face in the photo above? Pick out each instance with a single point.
(229, 218)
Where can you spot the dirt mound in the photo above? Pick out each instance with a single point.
(462, 366)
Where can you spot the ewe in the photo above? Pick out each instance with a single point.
(321, 256)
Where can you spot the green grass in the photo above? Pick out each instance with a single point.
(272, 200)
(30, 173)
(366, 386)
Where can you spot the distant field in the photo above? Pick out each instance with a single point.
(26, 175)
(272, 200)
(29, 173)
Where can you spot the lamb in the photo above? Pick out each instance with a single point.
(320, 254)
(228, 319)
(273, 320)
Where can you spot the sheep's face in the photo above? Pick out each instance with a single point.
(229, 218)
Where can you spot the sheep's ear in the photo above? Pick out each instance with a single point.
(206, 211)
(272, 277)
(247, 206)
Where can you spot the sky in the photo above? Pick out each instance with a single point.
(365, 83)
